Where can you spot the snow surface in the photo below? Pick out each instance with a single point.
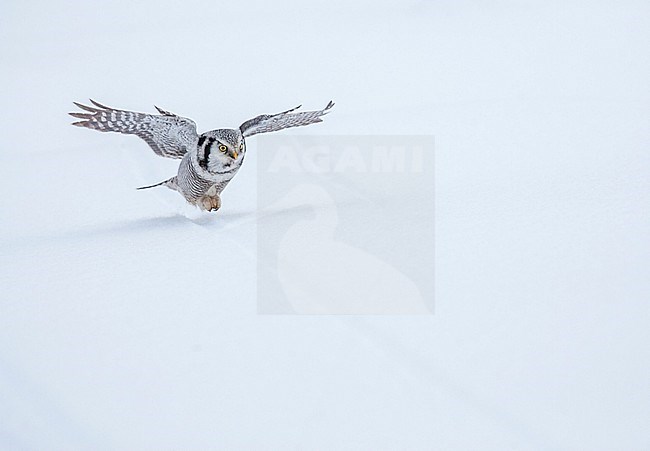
(129, 321)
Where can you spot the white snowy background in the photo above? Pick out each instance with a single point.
(128, 321)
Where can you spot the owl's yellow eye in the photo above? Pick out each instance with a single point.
(241, 147)
(222, 148)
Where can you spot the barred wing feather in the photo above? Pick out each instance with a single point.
(167, 134)
(273, 122)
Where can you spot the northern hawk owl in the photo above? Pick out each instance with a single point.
(208, 161)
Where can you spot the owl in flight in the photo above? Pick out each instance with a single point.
(208, 161)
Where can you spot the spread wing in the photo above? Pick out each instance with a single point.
(273, 122)
(167, 134)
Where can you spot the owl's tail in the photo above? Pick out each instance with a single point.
(169, 183)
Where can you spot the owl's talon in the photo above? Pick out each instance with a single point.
(209, 203)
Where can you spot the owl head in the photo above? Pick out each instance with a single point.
(220, 149)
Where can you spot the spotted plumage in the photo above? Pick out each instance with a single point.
(208, 161)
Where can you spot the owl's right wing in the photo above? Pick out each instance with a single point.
(167, 134)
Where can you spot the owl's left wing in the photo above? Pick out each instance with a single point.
(167, 134)
(273, 122)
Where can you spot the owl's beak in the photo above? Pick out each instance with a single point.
(234, 154)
